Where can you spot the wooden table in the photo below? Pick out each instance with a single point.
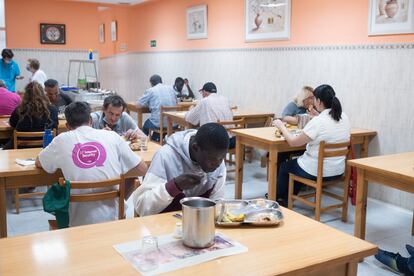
(6, 131)
(264, 138)
(250, 117)
(300, 246)
(396, 171)
(14, 176)
(132, 107)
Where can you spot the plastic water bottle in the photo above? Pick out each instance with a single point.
(47, 137)
(90, 54)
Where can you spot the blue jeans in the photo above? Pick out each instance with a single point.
(232, 142)
(287, 167)
(147, 127)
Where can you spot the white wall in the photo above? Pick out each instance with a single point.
(54, 62)
(375, 84)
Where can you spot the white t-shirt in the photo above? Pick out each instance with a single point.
(324, 128)
(87, 154)
(40, 77)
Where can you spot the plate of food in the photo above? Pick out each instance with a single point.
(258, 212)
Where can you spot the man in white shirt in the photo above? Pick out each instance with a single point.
(190, 164)
(87, 154)
(211, 109)
(33, 66)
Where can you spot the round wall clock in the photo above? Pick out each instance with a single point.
(52, 33)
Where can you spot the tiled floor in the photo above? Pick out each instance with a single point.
(387, 226)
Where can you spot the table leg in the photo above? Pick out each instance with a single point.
(239, 168)
(351, 269)
(3, 209)
(139, 119)
(272, 178)
(361, 205)
(169, 126)
(412, 227)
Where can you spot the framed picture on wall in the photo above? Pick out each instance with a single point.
(113, 31)
(390, 17)
(52, 33)
(267, 20)
(101, 33)
(197, 22)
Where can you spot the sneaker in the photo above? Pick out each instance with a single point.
(393, 260)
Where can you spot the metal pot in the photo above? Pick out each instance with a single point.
(198, 222)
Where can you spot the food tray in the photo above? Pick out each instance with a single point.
(258, 212)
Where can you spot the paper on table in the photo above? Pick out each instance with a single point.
(25, 162)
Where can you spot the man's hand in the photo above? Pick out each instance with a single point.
(312, 111)
(187, 181)
(278, 123)
(186, 81)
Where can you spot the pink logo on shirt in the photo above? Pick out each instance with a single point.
(88, 155)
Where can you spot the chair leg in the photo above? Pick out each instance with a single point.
(346, 195)
(16, 201)
(290, 193)
(318, 197)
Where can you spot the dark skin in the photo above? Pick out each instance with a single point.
(208, 159)
(180, 85)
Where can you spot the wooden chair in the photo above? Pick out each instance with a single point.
(230, 125)
(163, 129)
(96, 196)
(20, 140)
(137, 183)
(325, 151)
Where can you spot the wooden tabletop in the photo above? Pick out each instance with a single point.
(9, 167)
(267, 134)
(299, 246)
(400, 166)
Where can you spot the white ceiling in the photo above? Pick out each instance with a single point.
(125, 2)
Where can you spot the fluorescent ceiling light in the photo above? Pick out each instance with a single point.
(272, 5)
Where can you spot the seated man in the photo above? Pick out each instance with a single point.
(87, 154)
(212, 108)
(114, 118)
(155, 97)
(190, 164)
(58, 99)
(182, 89)
(8, 100)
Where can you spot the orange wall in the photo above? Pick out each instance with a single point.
(314, 22)
(81, 19)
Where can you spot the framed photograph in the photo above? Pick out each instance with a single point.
(101, 33)
(197, 22)
(52, 33)
(267, 20)
(390, 17)
(113, 31)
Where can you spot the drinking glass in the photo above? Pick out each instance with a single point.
(149, 253)
(143, 143)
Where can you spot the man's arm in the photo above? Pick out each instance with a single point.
(144, 100)
(190, 92)
(37, 163)
(193, 115)
(290, 120)
(138, 170)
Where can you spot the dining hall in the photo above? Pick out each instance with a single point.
(226, 137)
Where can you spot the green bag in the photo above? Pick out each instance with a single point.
(56, 202)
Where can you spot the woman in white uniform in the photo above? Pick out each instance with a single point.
(331, 126)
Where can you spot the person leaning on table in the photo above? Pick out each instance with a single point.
(301, 104)
(190, 164)
(332, 126)
(87, 154)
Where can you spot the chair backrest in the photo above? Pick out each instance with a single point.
(331, 150)
(96, 196)
(233, 124)
(30, 139)
(4, 116)
(166, 109)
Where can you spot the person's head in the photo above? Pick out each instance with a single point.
(2, 84)
(52, 90)
(179, 84)
(208, 88)
(32, 65)
(78, 114)
(113, 107)
(155, 79)
(325, 98)
(7, 55)
(34, 103)
(305, 97)
(209, 146)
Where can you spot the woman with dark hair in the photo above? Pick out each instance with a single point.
(35, 113)
(331, 126)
